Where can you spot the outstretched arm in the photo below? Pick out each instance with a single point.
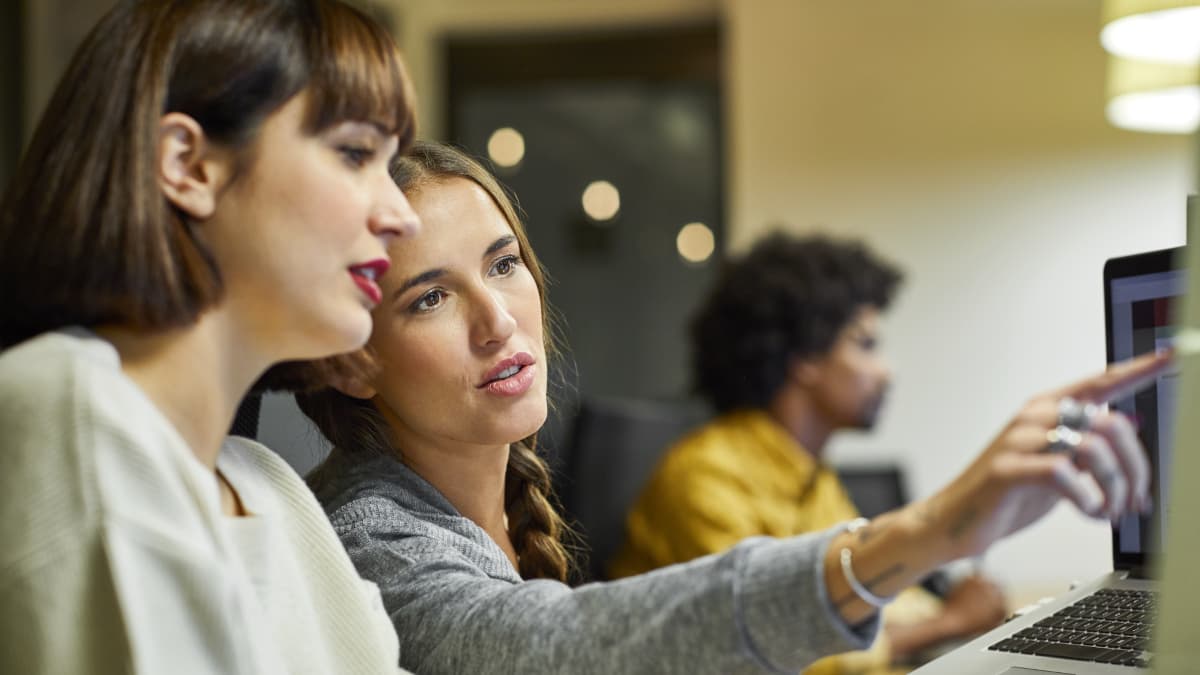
(757, 608)
(1011, 485)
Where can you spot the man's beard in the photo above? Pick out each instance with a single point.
(869, 413)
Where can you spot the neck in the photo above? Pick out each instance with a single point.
(196, 376)
(796, 413)
(470, 477)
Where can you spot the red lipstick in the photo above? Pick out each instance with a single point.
(365, 276)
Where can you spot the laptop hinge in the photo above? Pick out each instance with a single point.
(1138, 572)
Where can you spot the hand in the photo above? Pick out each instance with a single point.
(1013, 483)
(972, 607)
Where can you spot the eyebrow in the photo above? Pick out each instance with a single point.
(423, 277)
(438, 272)
(499, 244)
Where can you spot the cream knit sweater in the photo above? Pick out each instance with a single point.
(115, 556)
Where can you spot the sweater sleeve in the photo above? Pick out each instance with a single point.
(760, 607)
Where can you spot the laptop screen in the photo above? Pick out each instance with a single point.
(1140, 293)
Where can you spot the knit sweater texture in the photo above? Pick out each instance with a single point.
(117, 557)
(458, 605)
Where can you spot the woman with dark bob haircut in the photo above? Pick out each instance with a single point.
(436, 491)
(205, 196)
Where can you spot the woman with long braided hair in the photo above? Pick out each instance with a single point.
(434, 487)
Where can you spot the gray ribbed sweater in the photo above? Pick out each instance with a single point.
(459, 607)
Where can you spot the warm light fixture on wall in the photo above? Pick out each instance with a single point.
(1158, 97)
(1154, 73)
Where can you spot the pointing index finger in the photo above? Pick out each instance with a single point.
(1120, 379)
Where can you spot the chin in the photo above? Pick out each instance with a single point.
(525, 423)
(332, 339)
(869, 419)
(352, 331)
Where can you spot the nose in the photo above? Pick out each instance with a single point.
(492, 324)
(393, 216)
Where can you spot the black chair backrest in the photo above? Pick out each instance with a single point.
(874, 489)
(615, 445)
(245, 420)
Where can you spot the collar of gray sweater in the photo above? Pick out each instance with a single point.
(370, 489)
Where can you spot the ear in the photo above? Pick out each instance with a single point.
(353, 387)
(191, 171)
(804, 372)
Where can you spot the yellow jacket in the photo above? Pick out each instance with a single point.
(739, 476)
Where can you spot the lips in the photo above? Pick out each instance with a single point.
(365, 276)
(511, 377)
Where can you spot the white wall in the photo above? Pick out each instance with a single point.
(965, 140)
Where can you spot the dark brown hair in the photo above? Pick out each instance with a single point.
(86, 236)
(788, 297)
(356, 428)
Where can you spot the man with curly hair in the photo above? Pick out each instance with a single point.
(786, 350)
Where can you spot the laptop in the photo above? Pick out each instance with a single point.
(1104, 627)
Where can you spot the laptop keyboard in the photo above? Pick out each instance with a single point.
(1108, 626)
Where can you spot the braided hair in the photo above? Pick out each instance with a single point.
(355, 427)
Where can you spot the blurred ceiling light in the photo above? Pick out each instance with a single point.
(695, 242)
(1155, 97)
(506, 147)
(1152, 30)
(601, 201)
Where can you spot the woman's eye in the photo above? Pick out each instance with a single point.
(356, 155)
(428, 301)
(504, 266)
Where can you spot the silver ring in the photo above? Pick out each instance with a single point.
(1075, 415)
(1063, 439)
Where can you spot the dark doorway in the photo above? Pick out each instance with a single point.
(12, 87)
(642, 111)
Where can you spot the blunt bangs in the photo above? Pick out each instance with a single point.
(357, 74)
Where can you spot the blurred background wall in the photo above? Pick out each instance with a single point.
(963, 139)
(966, 140)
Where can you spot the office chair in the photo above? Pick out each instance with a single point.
(245, 420)
(614, 446)
(874, 488)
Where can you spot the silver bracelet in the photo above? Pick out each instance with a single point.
(848, 571)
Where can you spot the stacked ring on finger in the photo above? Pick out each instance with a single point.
(1076, 415)
(1063, 439)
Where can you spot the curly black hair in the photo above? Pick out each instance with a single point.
(787, 297)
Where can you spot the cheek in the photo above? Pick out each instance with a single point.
(851, 383)
(330, 203)
(526, 307)
(409, 361)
